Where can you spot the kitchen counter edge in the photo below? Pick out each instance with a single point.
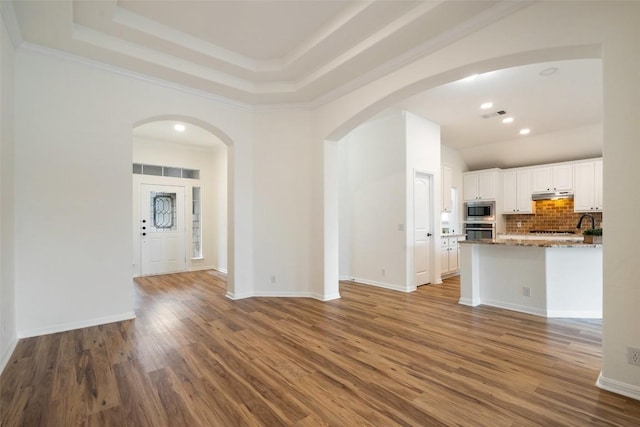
(534, 243)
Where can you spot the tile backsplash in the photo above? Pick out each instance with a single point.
(556, 215)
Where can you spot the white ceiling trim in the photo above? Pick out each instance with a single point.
(324, 33)
(155, 29)
(306, 92)
(370, 42)
(65, 56)
(117, 45)
(455, 33)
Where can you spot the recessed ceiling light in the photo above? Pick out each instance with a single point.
(525, 131)
(548, 71)
(507, 120)
(179, 127)
(486, 105)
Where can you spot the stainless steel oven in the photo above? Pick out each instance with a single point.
(480, 230)
(480, 211)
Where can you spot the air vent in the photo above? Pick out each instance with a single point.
(494, 114)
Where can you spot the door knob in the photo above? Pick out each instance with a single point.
(429, 234)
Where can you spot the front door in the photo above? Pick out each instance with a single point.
(162, 229)
(422, 228)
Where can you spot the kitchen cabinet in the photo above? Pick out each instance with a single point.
(552, 178)
(588, 186)
(517, 189)
(481, 185)
(447, 182)
(450, 254)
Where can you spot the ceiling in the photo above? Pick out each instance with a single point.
(164, 130)
(255, 51)
(273, 52)
(544, 97)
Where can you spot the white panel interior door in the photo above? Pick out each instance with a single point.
(422, 228)
(162, 229)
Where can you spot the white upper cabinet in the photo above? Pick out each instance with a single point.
(447, 182)
(517, 186)
(552, 178)
(480, 185)
(588, 186)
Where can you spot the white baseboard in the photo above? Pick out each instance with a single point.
(63, 327)
(467, 301)
(573, 314)
(515, 307)
(390, 286)
(8, 353)
(234, 297)
(285, 294)
(201, 268)
(327, 297)
(614, 386)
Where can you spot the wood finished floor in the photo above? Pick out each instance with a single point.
(374, 357)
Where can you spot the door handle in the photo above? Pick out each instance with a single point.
(429, 234)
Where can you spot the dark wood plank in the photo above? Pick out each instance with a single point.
(374, 357)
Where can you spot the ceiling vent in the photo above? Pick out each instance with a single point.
(494, 114)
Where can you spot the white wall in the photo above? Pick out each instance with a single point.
(621, 59)
(377, 162)
(211, 161)
(282, 204)
(374, 194)
(8, 333)
(73, 188)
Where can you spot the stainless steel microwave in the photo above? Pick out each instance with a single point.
(480, 211)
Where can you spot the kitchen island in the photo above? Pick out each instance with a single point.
(548, 278)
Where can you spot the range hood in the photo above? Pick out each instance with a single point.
(552, 195)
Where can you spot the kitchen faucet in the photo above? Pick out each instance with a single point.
(593, 220)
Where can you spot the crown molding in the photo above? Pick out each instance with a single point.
(485, 18)
(68, 57)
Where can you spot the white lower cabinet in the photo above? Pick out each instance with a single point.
(450, 255)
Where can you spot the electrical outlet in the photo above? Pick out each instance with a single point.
(384, 272)
(519, 224)
(526, 291)
(633, 356)
(273, 279)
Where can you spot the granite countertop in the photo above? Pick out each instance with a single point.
(534, 243)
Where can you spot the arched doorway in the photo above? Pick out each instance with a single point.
(180, 185)
(389, 99)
